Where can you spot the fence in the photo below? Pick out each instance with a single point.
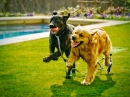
(42, 6)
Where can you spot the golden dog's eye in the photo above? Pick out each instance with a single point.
(80, 35)
(76, 32)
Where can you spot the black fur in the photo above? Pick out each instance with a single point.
(64, 31)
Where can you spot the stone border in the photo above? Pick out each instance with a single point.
(45, 20)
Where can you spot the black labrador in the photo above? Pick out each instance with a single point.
(59, 38)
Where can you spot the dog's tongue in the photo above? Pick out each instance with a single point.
(54, 29)
(74, 44)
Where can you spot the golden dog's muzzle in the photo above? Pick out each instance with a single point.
(74, 42)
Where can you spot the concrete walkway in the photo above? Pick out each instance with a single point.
(46, 34)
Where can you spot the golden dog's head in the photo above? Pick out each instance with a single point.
(80, 36)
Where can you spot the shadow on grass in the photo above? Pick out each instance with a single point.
(74, 88)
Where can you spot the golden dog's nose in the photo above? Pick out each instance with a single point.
(73, 37)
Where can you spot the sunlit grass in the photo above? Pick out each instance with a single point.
(23, 74)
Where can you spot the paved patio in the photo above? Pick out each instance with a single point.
(46, 34)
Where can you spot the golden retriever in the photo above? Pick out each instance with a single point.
(89, 45)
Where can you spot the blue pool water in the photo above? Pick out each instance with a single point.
(20, 30)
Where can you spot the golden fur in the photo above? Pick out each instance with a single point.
(89, 45)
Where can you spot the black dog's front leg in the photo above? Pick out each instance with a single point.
(53, 56)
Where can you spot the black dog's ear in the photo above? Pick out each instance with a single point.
(68, 15)
(65, 18)
(54, 13)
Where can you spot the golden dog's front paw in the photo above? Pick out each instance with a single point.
(85, 83)
(69, 65)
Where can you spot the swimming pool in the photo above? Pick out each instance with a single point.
(9, 31)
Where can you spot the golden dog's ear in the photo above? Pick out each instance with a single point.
(93, 32)
(94, 36)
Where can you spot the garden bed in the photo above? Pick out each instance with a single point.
(112, 13)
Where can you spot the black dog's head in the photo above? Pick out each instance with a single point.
(57, 23)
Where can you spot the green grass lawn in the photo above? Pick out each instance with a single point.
(24, 74)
